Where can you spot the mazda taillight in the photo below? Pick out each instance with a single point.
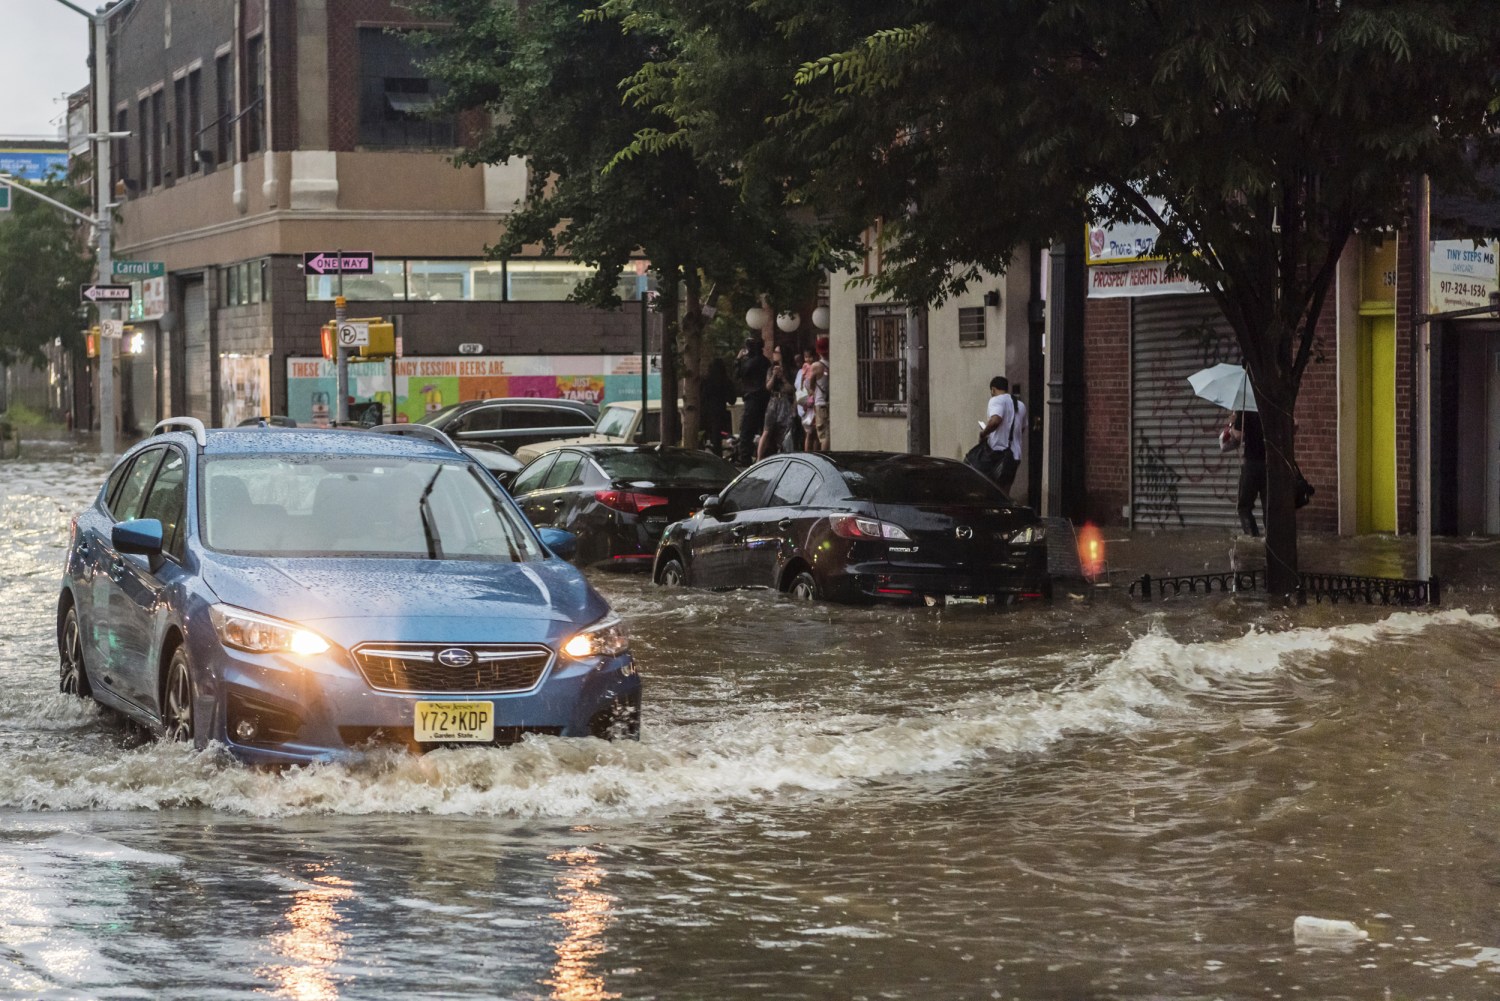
(628, 501)
(854, 526)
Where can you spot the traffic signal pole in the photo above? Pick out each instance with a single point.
(102, 168)
(341, 353)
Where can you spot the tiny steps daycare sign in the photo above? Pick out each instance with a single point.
(1463, 274)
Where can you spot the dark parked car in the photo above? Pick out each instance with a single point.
(511, 422)
(617, 499)
(862, 526)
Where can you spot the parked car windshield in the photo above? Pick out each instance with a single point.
(695, 467)
(327, 505)
(920, 482)
(442, 416)
(615, 421)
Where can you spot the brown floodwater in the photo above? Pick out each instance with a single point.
(1100, 799)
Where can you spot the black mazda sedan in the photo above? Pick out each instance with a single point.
(862, 527)
(617, 499)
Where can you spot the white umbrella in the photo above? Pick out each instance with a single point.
(1225, 385)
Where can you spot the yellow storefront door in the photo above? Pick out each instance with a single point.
(1376, 480)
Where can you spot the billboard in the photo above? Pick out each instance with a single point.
(33, 164)
(425, 385)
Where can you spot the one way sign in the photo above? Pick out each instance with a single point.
(104, 293)
(332, 263)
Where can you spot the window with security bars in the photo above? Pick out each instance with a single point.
(397, 98)
(970, 325)
(881, 360)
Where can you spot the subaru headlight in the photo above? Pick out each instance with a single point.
(1030, 535)
(256, 633)
(605, 638)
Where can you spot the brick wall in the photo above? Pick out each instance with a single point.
(1317, 417)
(1107, 417)
(345, 18)
(1106, 410)
(1405, 378)
(282, 83)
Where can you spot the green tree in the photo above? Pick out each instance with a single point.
(1257, 135)
(550, 75)
(43, 260)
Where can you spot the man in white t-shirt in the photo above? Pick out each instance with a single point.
(1020, 424)
(999, 431)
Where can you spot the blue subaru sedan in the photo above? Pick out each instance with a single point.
(295, 594)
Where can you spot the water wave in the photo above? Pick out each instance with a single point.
(747, 755)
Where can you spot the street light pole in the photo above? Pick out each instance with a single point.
(100, 23)
(102, 203)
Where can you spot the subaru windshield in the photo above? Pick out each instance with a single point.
(378, 506)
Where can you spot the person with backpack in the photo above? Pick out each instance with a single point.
(997, 459)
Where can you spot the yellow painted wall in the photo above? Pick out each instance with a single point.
(1376, 471)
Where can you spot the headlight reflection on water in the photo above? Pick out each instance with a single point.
(312, 944)
(575, 976)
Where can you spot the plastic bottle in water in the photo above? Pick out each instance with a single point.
(1309, 930)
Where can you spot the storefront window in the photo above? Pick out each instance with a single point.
(468, 280)
(386, 284)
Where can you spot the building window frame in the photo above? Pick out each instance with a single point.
(395, 96)
(880, 359)
(224, 93)
(972, 321)
(255, 94)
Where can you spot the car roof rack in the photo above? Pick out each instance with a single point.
(432, 434)
(192, 424)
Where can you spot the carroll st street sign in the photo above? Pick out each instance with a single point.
(137, 269)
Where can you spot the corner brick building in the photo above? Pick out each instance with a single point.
(261, 130)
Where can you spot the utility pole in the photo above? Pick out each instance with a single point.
(101, 210)
(341, 353)
(101, 137)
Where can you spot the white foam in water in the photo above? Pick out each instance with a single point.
(753, 754)
(103, 850)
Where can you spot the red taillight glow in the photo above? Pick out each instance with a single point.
(854, 526)
(628, 501)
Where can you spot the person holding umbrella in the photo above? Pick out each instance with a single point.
(1245, 429)
(1229, 387)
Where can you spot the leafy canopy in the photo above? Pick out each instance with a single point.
(43, 260)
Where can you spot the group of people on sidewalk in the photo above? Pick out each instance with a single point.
(786, 401)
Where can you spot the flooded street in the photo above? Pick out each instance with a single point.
(1101, 799)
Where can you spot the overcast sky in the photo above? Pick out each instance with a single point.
(44, 51)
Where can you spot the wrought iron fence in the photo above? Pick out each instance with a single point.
(1320, 587)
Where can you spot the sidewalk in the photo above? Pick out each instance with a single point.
(1472, 562)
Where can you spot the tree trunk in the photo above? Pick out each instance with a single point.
(1276, 403)
(667, 303)
(692, 362)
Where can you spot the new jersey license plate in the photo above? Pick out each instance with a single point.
(458, 722)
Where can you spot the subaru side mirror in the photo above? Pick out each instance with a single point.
(140, 537)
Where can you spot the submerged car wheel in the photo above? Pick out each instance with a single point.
(672, 574)
(804, 587)
(177, 700)
(72, 678)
